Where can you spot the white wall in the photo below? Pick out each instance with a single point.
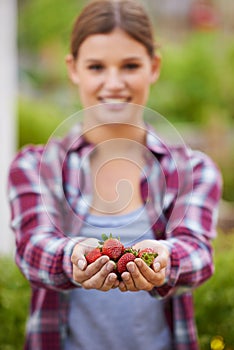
(8, 93)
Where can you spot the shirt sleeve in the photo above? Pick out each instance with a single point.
(43, 249)
(189, 241)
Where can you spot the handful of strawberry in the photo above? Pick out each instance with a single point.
(116, 251)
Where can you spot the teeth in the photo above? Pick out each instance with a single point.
(114, 100)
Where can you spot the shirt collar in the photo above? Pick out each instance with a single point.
(75, 140)
(154, 142)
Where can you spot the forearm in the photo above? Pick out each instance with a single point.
(44, 258)
(191, 263)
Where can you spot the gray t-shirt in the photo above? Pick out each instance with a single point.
(115, 320)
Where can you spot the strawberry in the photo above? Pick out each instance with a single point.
(93, 255)
(112, 247)
(122, 262)
(131, 250)
(147, 255)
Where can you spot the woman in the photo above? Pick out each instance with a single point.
(113, 174)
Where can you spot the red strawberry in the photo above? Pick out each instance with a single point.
(148, 255)
(93, 255)
(112, 247)
(122, 262)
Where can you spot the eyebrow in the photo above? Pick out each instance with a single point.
(133, 58)
(130, 58)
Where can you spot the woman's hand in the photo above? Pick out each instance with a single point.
(97, 275)
(142, 277)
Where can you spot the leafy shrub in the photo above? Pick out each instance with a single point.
(14, 303)
(197, 87)
(36, 121)
(214, 302)
(196, 74)
(41, 21)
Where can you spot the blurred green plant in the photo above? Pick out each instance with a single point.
(36, 121)
(214, 302)
(41, 21)
(196, 73)
(14, 305)
(44, 28)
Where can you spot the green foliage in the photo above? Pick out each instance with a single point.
(37, 122)
(214, 302)
(44, 29)
(41, 21)
(228, 179)
(196, 78)
(14, 304)
(197, 86)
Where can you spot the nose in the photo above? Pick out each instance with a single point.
(114, 80)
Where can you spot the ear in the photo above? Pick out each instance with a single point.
(156, 68)
(72, 69)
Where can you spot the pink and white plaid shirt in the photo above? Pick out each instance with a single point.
(50, 194)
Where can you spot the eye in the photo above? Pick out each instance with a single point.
(131, 66)
(95, 67)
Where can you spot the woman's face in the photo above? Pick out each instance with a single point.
(113, 68)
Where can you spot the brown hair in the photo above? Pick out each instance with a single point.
(103, 16)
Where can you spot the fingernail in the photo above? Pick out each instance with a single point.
(131, 268)
(139, 262)
(109, 267)
(104, 259)
(157, 267)
(81, 264)
(126, 276)
(112, 278)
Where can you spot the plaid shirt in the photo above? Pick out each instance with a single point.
(50, 194)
